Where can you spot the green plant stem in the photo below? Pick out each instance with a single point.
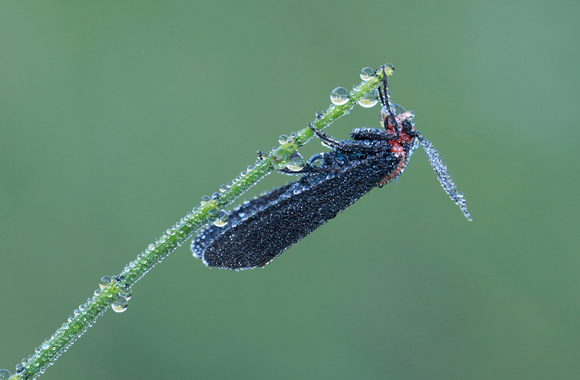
(86, 315)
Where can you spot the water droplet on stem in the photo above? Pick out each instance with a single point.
(339, 96)
(367, 73)
(119, 305)
(370, 99)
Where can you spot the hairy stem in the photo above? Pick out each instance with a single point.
(115, 291)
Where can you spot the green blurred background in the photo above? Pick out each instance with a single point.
(117, 116)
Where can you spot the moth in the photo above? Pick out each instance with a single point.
(261, 229)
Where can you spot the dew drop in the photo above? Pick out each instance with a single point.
(296, 162)
(389, 66)
(370, 99)
(212, 215)
(4, 374)
(367, 73)
(105, 280)
(119, 305)
(282, 139)
(223, 188)
(125, 293)
(222, 219)
(339, 96)
(279, 158)
(397, 108)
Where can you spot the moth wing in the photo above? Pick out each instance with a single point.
(277, 222)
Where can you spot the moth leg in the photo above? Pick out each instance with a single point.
(350, 146)
(329, 141)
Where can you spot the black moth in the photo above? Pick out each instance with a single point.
(262, 228)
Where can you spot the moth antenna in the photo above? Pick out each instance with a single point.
(443, 176)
